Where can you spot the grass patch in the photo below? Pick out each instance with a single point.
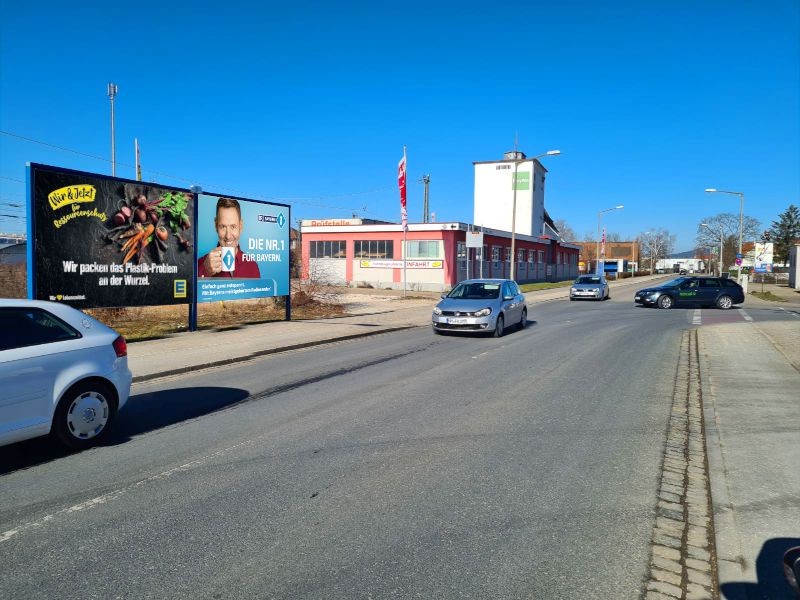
(153, 322)
(769, 296)
(532, 287)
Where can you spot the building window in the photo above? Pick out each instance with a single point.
(423, 249)
(495, 253)
(541, 257)
(531, 256)
(484, 252)
(374, 249)
(327, 249)
(520, 255)
(507, 254)
(461, 250)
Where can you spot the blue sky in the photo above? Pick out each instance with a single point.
(310, 103)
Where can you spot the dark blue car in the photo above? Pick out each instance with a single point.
(692, 291)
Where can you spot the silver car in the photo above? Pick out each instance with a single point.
(481, 306)
(592, 287)
(61, 372)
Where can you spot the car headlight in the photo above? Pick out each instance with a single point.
(573, 290)
(595, 289)
(437, 311)
(484, 312)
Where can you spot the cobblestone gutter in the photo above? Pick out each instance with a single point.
(682, 560)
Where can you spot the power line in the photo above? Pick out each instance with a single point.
(306, 200)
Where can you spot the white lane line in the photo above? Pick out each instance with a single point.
(98, 500)
(697, 318)
(747, 317)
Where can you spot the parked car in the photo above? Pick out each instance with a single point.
(692, 291)
(592, 287)
(481, 305)
(62, 373)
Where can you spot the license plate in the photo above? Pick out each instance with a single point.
(453, 321)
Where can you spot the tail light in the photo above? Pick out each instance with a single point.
(120, 346)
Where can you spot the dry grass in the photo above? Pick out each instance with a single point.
(149, 322)
(13, 281)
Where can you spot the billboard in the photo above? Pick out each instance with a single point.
(763, 257)
(98, 241)
(242, 248)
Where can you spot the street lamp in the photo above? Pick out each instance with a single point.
(741, 217)
(514, 205)
(599, 218)
(707, 226)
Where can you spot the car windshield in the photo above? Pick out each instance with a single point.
(588, 279)
(475, 291)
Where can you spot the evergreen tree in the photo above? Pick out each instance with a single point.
(785, 233)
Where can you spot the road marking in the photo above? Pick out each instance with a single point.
(747, 317)
(113, 495)
(697, 318)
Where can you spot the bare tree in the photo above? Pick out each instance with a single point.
(656, 244)
(567, 233)
(726, 224)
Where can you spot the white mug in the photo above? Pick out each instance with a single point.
(228, 258)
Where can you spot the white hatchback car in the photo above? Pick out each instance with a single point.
(61, 372)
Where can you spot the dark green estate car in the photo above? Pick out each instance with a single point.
(692, 291)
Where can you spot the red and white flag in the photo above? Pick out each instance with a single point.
(603, 243)
(401, 183)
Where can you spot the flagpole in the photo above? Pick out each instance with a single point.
(401, 184)
(405, 230)
(138, 162)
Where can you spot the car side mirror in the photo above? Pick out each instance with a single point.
(508, 297)
(444, 295)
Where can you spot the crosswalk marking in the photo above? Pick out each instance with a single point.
(746, 317)
(697, 319)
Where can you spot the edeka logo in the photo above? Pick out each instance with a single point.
(179, 288)
(71, 195)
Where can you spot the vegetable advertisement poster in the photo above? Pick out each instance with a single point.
(97, 241)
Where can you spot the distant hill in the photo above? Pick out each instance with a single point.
(687, 254)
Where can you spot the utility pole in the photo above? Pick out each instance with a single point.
(426, 179)
(112, 92)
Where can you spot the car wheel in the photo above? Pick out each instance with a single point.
(665, 302)
(498, 328)
(608, 295)
(84, 415)
(524, 320)
(724, 302)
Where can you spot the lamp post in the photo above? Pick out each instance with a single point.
(599, 219)
(707, 226)
(741, 218)
(513, 258)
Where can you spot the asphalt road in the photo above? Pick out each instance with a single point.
(404, 465)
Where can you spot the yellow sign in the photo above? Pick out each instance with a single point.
(179, 288)
(71, 194)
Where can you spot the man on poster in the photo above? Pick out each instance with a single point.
(227, 259)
